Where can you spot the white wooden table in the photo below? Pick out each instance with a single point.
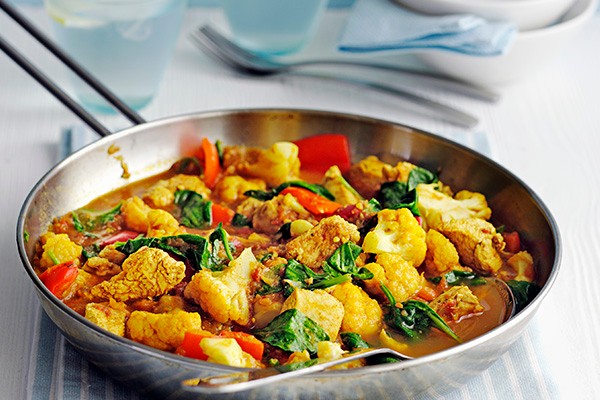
(546, 130)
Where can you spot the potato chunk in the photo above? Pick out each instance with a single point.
(320, 306)
(108, 317)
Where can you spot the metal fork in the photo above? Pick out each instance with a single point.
(228, 53)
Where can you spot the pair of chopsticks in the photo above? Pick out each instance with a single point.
(68, 61)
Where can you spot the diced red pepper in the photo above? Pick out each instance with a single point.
(313, 202)
(221, 214)
(209, 155)
(513, 242)
(59, 277)
(190, 347)
(122, 236)
(319, 152)
(249, 343)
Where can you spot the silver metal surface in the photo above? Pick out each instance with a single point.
(152, 147)
(224, 51)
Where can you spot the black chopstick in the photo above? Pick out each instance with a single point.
(43, 79)
(102, 90)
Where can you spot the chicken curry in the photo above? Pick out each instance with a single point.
(286, 256)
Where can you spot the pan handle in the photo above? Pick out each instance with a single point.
(43, 79)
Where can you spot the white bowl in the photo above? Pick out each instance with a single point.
(530, 51)
(526, 14)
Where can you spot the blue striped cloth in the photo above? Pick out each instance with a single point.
(57, 371)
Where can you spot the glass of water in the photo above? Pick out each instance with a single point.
(125, 44)
(273, 27)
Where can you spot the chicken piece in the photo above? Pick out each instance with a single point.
(339, 187)
(58, 248)
(162, 193)
(148, 272)
(275, 165)
(437, 207)
(477, 242)
(162, 331)
(316, 245)
(441, 254)
(367, 175)
(101, 266)
(231, 189)
(397, 231)
(320, 306)
(455, 303)
(397, 274)
(110, 316)
(271, 214)
(224, 295)
(362, 314)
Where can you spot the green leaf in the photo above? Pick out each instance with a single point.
(344, 258)
(353, 341)
(91, 251)
(296, 366)
(195, 212)
(240, 220)
(420, 175)
(458, 277)
(219, 239)
(292, 331)
(86, 221)
(524, 292)
(394, 195)
(269, 194)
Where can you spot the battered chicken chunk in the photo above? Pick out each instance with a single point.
(362, 314)
(456, 303)
(148, 272)
(224, 294)
(110, 316)
(271, 214)
(162, 331)
(162, 193)
(316, 245)
(477, 243)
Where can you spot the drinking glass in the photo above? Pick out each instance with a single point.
(126, 44)
(273, 27)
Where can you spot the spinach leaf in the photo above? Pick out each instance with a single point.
(420, 175)
(240, 220)
(353, 341)
(91, 251)
(395, 195)
(415, 318)
(269, 194)
(195, 211)
(458, 277)
(296, 366)
(218, 239)
(85, 221)
(524, 292)
(292, 331)
(343, 261)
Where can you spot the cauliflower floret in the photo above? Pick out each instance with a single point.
(397, 231)
(271, 214)
(367, 175)
(224, 294)
(147, 273)
(59, 248)
(477, 242)
(154, 223)
(522, 264)
(110, 316)
(339, 187)
(320, 306)
(162, 193)
(329, 351)
(162, 331)
(441, 254)
(437, 207)
(227, 351)
(456, 303)
(231, 188)
(397, 274)
(362, 314)
(275, 165)
(316, 245)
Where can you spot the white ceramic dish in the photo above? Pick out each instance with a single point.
(526, 14)
(530, 51)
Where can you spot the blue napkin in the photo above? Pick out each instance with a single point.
(382, 25)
